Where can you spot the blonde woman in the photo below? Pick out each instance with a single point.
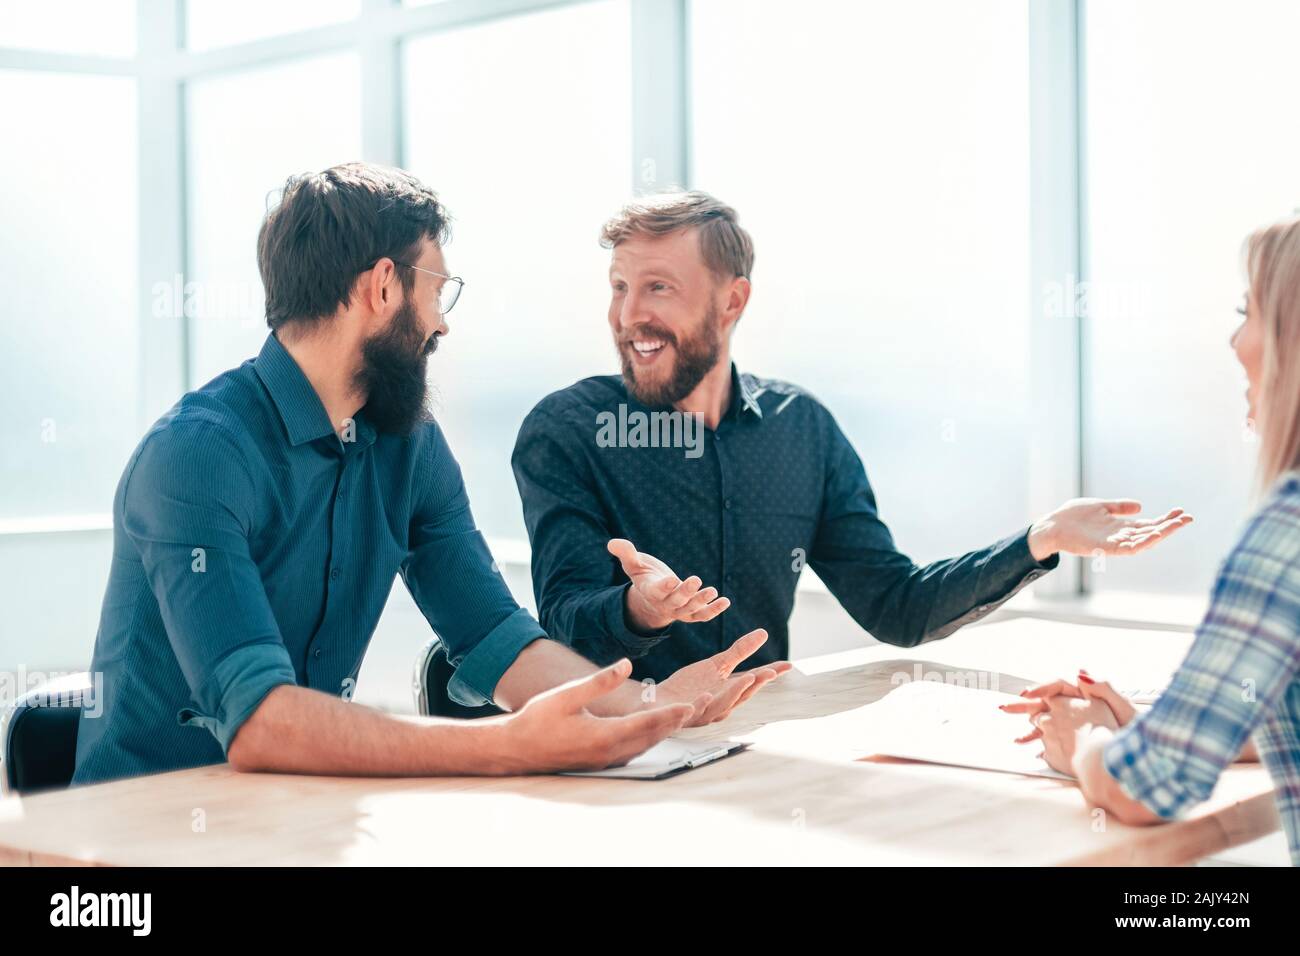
(1241, 679)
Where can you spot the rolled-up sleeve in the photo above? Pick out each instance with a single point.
(186, 507)
(453, 579)
(479, 671)
(240, 682)
(1241, 663)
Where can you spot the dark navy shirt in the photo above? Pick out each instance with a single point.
(776, 487)
(253, 547)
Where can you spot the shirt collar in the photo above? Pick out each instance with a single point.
(743, 397)
(300, 408)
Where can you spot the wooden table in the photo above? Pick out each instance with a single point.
(761, 806)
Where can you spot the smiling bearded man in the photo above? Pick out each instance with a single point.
(777, 486)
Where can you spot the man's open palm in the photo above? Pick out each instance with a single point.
(715, 676)
(658, 597)
(1086, 526)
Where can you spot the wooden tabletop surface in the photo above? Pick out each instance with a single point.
(766, 805)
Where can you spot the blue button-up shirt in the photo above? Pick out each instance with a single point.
(253, 547)
(774, 488)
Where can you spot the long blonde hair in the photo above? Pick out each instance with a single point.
(1273, 271)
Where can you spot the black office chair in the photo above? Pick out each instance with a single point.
(432, 672)
(40, 735)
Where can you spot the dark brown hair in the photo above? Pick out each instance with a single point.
(329, 227)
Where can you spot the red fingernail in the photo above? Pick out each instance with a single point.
(1085, 678)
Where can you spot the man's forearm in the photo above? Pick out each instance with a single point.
(299, 730)
(905, 604)
(544, 664)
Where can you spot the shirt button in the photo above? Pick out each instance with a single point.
(317, 654)
(727, 504)
(334, 574)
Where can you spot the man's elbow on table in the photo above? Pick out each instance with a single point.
(252, 748)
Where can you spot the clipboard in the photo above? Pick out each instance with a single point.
(668, 758)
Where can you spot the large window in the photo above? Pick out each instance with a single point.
(68, 269)
(249, 132)
(218, 23)
(887, 158)
(1192, 143)
(879, 157)
(101, 27)
(530, 161)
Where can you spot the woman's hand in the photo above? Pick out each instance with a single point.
(1066, 717)
(1120, 705)
(1064, 726)
(1063, 713)
(1089, 688)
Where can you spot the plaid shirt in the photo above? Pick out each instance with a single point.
(1241, 678)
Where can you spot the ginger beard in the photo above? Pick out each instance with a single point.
(668, 375)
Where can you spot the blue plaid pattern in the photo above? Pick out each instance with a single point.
(1241, 678)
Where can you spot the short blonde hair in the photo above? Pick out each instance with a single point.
(1273, 271)
(727, 249)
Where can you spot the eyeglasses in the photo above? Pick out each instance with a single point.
(450, 290)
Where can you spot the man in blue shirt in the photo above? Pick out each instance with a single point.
(260, 523)
(735, 480)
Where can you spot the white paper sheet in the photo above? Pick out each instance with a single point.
(919, 720)
(960, 726)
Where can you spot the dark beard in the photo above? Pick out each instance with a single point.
(392, 375)
(695, 358)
